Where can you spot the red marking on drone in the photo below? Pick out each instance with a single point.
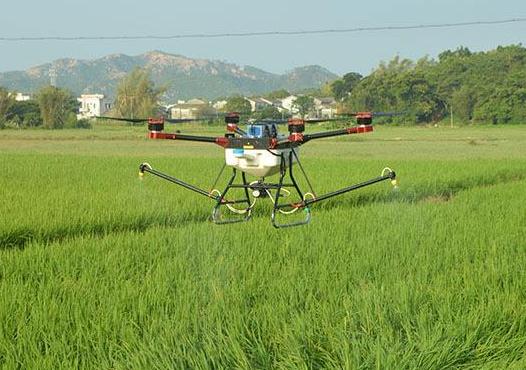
(360, 129)
(222, 141)
(364, 115)
(296, 137)
(296, 121)
(161, 135)
(154, 121)
(232, 127)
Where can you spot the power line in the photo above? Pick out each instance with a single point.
(263, 33)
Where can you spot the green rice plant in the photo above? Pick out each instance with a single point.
(101, 270)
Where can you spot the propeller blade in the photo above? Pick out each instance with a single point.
(388, 114)
(277, 121)
(319, 120)
(134, 120)
(137, 120)
(183, 120)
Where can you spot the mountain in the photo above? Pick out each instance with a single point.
(184, 77)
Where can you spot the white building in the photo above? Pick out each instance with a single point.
(219, 105)
(256, 104)
(192, 108)
(325, 107)
(22, 97)
(93, 105)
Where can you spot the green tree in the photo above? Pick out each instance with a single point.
(463, 103)
(277, 94)
(486, 87)
(137, 96)
(304, 104)
(6, 102)
(57, 107)
(342, 88)
(326, 90)
(26, 112)
(267, 112)
(239, 104)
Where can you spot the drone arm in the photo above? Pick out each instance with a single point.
(221, 141)
(296, 139)
(346, 131)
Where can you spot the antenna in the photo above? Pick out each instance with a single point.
(52, 76)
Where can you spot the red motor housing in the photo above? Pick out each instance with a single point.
(364, 118)
(232, 118)
(296, 125)
(156, 124)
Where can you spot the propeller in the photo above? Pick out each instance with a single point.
(145, 120)
(363, 118)
(371, 114)
(232, 118)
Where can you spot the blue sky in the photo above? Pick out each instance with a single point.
(339, 53)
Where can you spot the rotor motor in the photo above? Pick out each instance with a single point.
(296, 129)
(296, 126)
(232, 118)
(364, 118)
(156, 124)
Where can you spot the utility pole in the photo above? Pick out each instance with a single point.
(53, 76)
(451, 114)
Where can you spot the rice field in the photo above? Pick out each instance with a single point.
(101, 270)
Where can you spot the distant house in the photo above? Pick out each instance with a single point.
(325, 107)
(22, 97)
(277, 104)
(192, 108)
(93, 105)
(288, 103)
(219, 105)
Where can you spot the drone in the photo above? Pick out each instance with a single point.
(262, 152)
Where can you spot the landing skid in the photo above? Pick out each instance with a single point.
(244, 214)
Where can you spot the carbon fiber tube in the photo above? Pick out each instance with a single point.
(390, 175)
(143, 168)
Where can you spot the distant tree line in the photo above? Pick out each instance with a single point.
(51, 107)
(485, 87)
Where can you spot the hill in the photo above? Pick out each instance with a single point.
(185, 77)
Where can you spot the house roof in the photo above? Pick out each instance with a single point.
(326, 101)
(196, 102)
(260, 100)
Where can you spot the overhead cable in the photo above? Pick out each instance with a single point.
(261, 33)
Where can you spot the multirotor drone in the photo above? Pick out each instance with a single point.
(262, 152)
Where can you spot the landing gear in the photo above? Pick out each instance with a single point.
(242, 214)
(276, 192)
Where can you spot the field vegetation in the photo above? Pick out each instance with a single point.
(101, 270)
